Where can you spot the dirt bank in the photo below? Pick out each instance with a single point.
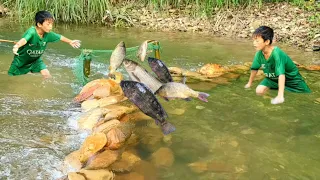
(292, 25)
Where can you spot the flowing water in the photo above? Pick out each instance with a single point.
(240, 134)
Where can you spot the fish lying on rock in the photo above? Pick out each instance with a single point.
(173, 90)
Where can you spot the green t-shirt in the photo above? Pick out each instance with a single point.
(35, 46)
(279, 63)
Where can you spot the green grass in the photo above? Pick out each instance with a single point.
(76, 11)
(92, 11)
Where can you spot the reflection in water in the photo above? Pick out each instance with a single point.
(237, 135)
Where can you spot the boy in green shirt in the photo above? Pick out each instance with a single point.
(29, 49)
(280, 71)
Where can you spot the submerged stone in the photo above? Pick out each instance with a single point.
(163, 157)
(101, 174)
(126, 163)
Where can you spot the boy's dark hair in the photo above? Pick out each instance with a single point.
(265, 32)
(42, 16)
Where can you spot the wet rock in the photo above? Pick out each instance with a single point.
(212, 70)
(106, 127)
(89, 105)
(103, 160)
(133, 140)
(220, 80)
(91, 145)
(114, 86)
(212, 166)
(313, 67)
(101, 92)
(150, 138)
(101, 174)
(126, 163)
(119, 113)
(89, 119)
(231, 75)
(136, 116)
(167, 139)
(202, 86)
(176, 70)
(163, 157)
(248, 131)
(234, 143)
(75, 176)
(200, 107)
(72, 162)
(118, 107)
(119, 135)
(147, 169)
(111, 100)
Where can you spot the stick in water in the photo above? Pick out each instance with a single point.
(3, 40)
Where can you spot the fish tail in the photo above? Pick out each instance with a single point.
(167, 128)
(203, 96)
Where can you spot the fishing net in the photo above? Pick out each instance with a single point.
(82, 67)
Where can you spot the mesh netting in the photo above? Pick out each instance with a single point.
(82, 67)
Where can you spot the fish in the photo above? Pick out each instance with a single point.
(142, 51)
(160, 69)
(139, 94)
(139, 74)
(173, 90)
(116, 59)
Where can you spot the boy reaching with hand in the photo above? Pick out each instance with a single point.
(31, 46)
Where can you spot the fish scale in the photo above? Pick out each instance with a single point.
(139, 74)
(146, 101)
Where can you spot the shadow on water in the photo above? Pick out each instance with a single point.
(239, 135)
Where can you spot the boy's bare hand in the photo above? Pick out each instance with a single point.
(247, 85)
(75, 43)
(277, 100)
(15, 50)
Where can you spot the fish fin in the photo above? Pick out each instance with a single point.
(184, 80)
(188, 99)
(167, 128)
(157, 122)
(203, 96)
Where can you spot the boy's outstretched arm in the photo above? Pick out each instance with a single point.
(19, 44)
(281, 83)
(252, 76)
(73, 43)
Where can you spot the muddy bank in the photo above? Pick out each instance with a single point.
(291, 24)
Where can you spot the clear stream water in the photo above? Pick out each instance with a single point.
(236, 128)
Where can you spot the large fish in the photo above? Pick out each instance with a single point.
(160, 69)
(142, 51)
(146, 101)
(139, 74)
(173, 90)
(117, 57)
